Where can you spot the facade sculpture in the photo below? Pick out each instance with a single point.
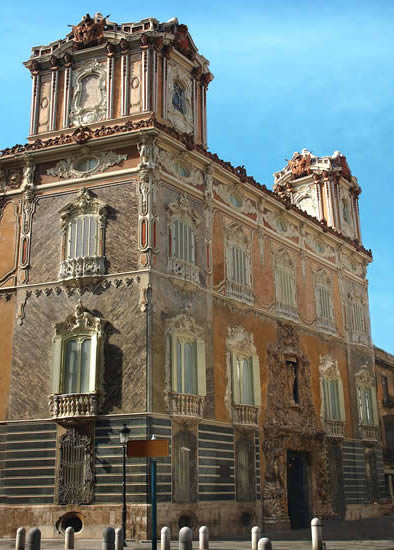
(145, 281)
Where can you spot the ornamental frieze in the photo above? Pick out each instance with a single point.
(86, 164)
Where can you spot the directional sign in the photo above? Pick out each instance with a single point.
(147, 447)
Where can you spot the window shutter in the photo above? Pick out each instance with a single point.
(201, 368)
(341, 400)
(374, 406)
(94, 359)
(235, 380)
(326, 398)
(56, 363)
(173, 362)
(256, 380)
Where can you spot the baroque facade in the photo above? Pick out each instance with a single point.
(144, 281)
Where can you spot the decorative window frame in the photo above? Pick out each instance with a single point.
(236, 236)
(329, 372)
(85, 267)
(181, 120)
(80, 323)
(240, 343)
(366, 381)
(285, 262)
(66, 168)
(323, 280)
(357, 306)
(81, 116)
(181, 404)
(181, 210)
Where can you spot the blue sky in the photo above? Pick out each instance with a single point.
(288, 75)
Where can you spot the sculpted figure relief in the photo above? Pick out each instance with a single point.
(89, 32)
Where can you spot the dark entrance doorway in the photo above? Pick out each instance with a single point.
(298, 489)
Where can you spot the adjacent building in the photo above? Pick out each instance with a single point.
(144, 281)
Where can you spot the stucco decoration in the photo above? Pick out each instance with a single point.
(346, 213)
(328, 367)
(177, 165)
(293, 426)
(231, 195)
(364, 377)
(280, 222)
(306, 199)
(81, 321)
(319, 245)
(238, 339)
(149, 152)
(89, 102)
(181, 119)
(183, 208)
(100, 160)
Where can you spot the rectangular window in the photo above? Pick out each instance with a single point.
(239, 269)
(324, 309)
(285, 289)
(357, 317)
(82, 237)
(332, 405)
(365, 404)
(246, 380)
(76, 366)
(182, 241)
(385, 388)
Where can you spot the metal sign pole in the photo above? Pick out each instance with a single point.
(154, 504)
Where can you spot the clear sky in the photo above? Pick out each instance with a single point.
(315, 74)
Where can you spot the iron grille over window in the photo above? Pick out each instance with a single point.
(75, 472)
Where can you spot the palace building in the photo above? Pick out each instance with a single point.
(146, 282)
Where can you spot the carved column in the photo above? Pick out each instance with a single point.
(356, 213)
(67, 88)
(125, 68)
(166, 51)
(316, 178)
(147, 212)
(110, 78)
(195, 85)
(35, 96)
(327, 189)
(209, 216)
(28, 206)
(54, 62)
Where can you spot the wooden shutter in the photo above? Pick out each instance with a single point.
(173, 340)
(235, 380)
(56, 363)
(94, 359)
(256, 380)
(201, 368)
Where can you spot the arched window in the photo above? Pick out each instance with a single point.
(333, 408)
(367, 406)
(83, 237)
(285, 283)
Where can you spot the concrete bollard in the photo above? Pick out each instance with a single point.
(256, 534)
(108, 539)
(69, 539)
(119, 538)
(165, 538)
(20, 539)
(203, 537)
(34, 539)
(264, 544)
(185, 538)
(317, 534)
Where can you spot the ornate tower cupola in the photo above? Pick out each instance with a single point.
(104, 71)
(324, 188)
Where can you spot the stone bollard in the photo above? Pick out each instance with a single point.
(256, 534)
(108, 539)
(185, 538)
(119, 538)
(203, 537)
(34, 539)
(165, 538)
(264, 544)
(317, 534)
(69, 539)
(20, 539)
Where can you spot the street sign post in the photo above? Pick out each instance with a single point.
(150, 448)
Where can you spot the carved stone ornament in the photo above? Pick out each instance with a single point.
(181, 119)
(72, 167)
(305, 198)
(300, 164)
(231, 194)
(81, 321)
(89, 32)
(185, 323)
(239, 340)
(89, 103)
(280, 222)
(364, 377)
(328, 367)
(176, 164)
(148, 151)
(183, 208)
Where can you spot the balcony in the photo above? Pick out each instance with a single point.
(88, 266)
(186, 270)
(186, 405)
(239, 291)
(73, 405)
(335, 428)
(245, 415)
(369, 433)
